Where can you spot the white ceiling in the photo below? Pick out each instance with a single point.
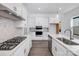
(50, 7)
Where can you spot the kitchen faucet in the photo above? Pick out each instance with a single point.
(70, 33)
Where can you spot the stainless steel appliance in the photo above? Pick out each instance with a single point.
(50, 44)
(12, 43)
(38, 27)
(39, 31)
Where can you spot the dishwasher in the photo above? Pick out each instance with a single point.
(50, 44)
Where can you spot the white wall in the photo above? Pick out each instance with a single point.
(67, 18)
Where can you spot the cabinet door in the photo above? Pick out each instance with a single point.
(42, 21)
(19, 51)
(28, 46)
(61, 51)
(54, 47)
(58, 49)
(19, 9)
(30, 43)
(31, 22)
(24, 12)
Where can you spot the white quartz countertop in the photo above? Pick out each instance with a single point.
(72, 48)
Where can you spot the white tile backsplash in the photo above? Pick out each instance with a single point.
(7, 29)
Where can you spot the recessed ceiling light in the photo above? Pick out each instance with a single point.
(38, 8)
(59, 8)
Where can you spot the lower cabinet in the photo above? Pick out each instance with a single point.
(59, 50)
(23, 49)
(19, 51)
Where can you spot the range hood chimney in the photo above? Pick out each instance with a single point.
(6, 13)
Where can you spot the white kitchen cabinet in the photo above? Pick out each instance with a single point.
(30, 43)
(38, 21)
(27, 47)
(21, 10)
(54, 47)
(42, 21)
(24, 12)
(59, 50)
(23, 49)
(31, 22)
(20, 50)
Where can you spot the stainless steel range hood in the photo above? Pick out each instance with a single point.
(6, 13)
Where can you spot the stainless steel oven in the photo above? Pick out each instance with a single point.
(39, 31)
(38, 27)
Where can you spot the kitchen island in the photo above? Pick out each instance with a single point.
(61, 49)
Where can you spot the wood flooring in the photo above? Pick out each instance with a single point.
(39, 48)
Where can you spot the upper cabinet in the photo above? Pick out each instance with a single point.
(16, 8)
(24, 12)
(41, 21)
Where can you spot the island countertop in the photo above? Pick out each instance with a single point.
(72, 48)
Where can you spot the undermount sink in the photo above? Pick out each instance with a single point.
(68, 42)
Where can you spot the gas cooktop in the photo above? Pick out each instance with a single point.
(12, 43)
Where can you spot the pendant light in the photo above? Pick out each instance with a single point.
(58, 16)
